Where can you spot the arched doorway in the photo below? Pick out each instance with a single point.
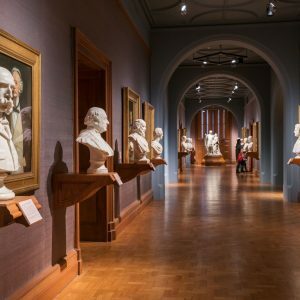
(221, 121)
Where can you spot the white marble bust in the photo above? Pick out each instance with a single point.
(8, 154)
(155, 144)
(250, 143)
(138, 145)
(96, 122)
(296, 148)
(245, 145)
(184, 145)
(190, 146)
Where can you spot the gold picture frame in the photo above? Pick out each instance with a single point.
(245, 132)
(149, 117)
(255, 137)
(131, 112)
(25, 65)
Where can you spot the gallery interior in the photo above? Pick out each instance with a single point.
(120, 172)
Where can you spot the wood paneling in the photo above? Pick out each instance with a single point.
(50, 282)
(92, 88)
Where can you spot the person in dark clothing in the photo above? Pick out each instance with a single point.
(238, 148)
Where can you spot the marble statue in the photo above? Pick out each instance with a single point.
(138, 145)
(190, 146)
(8, 155)
(296, 148)
(184, 145)
(157, 148)
(250, 143)
(245, 145)
(216, 146)
(208, 142)
(96, 122)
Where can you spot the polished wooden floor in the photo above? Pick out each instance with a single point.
(217, 236)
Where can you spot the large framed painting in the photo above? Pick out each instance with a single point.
(131, 112)
(256, 137)
(22, 63)
(149, 116)
(245, 132)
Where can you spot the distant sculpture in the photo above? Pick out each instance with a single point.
(184, 145)
(250, 143)
(190, 146)
(8, 154)
(245, 145)
(96, 122)
(208, 142)
(296, 148)
(138, 145)
(216, 146)
(157, 148)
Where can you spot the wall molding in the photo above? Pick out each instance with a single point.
(51, 281)
(130, 212)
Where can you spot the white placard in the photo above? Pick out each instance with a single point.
(118, 179)
(30, 211)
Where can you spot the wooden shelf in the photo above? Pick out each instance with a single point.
(158, 162)
(71, 188)
(10, 211)
(182, 154)
(129, 171)
(253, 155)
(294, 161)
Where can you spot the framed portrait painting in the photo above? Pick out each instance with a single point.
(148, 116)
(131, 112)
(23, 63)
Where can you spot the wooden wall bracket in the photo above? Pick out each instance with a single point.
(10, 211)
(129, 171)
(294, 161)
(253, 155)
(71, 188)
(158, 162)
(182, 154)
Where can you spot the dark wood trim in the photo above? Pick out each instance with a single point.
(50, 282)
(130, 212)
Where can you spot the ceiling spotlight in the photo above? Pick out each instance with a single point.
(198, 87)
(271, 8)
(233, 61)
(183, 8)
(232, 92)
(236, 86)
(205, 62)
(229, 99)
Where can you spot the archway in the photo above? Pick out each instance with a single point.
(167, 55)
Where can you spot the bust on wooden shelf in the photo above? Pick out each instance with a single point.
(155, 144)
(296, 149)
(96, 122)
(138, 145)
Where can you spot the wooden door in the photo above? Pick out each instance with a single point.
(93, 88)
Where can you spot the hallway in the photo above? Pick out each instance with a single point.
(217, 236)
